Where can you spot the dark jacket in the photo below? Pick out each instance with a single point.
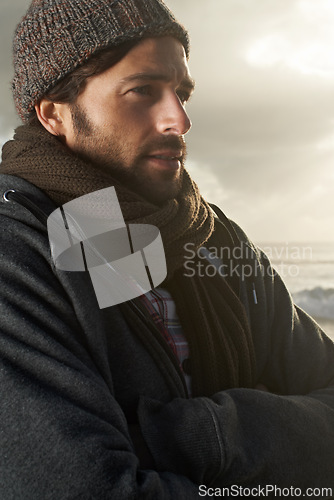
(76, 382)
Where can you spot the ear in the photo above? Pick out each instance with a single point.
(53, 116)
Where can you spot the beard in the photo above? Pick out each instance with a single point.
(109, 153)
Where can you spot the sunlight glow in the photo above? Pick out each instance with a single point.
(305, 43)
(317, 10)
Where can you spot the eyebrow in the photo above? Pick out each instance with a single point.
(187, 83)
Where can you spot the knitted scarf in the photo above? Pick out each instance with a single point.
(212, 316)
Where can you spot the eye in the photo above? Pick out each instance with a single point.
(143, 90)
(184, 96)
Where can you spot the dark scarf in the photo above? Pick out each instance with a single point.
(212, 316)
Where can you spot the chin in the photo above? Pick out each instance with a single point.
(157, 198)
(155, 190)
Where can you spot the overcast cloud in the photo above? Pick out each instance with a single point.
(262, 142)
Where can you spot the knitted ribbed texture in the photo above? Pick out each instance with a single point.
(211, 314)
(56, 36)
(40, 158)
(216, 326)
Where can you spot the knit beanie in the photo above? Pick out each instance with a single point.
(56, 36)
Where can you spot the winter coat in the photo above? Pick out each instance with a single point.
(82, 394)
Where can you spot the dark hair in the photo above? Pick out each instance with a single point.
(69, 87)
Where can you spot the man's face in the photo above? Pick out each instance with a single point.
(131, 119)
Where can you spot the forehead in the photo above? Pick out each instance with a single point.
(164, 54)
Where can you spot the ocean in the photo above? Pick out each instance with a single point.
(308, 272)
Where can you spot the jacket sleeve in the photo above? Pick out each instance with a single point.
(249, 437)
(63, 434)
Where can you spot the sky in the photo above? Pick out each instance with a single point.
(262, 142)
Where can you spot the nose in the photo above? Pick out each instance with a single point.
(172, 117)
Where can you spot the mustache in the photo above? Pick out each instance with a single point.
(172, 142)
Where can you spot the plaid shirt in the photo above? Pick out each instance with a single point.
(162, 309)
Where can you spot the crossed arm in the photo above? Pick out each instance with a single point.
(64, 434)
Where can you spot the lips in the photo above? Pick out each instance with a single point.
(170, 160)
(162, 157)
(167, 155)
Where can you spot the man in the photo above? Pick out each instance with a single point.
(208, 381)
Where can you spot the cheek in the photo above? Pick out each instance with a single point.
(134, 124)
(134, 116)
(115, 120)
(117, 117)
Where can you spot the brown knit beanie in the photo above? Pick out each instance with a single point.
(56, 36)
